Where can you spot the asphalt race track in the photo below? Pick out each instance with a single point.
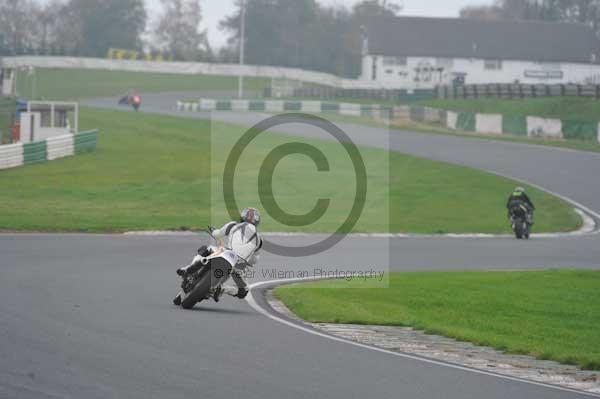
(90, 316)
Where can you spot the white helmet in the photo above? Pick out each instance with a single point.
(250, 215)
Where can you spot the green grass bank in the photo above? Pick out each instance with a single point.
(154, 172)
(550, 315)
(567, 108)
(71, 84)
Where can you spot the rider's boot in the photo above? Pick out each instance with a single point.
(217, 294)
(242, 293)
(177, 300)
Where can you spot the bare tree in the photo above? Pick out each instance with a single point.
(65, 35)
(17, 26)
(57, 30)
(578, 11)
(178, 30)
(482, 12)
(377, 7)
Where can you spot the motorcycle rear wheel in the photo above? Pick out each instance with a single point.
(198, 294)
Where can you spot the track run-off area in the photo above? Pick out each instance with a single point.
(90, 316)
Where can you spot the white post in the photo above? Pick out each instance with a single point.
(16, 72)
(76, 121)
(33, 83)
(242, 49)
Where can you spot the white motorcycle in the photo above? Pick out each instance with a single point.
(209, 270)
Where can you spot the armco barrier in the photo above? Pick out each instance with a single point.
(35, 152)
(574, 130)
(466, 121)
(11, 155)
(401, 112)
(85, 141)
(274, 106)
(351, 109)
(451, 120)
(542, 127)
(258, 106)
(60, 147)
(330, 107)
(311, 106)
(235, 70)
(432, 115)
(489, 123)
(14, 155)
(514, 125)
(417, 114)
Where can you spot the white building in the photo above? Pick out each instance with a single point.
(41, 120)
(414, 52)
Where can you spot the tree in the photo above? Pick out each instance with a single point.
(482, 12)
(65, 31)
(17, 26)
(109, 23)
(369, 8)
(580, 11)
(178, 30)
(58, 29)
(278, 32)
(303, 33)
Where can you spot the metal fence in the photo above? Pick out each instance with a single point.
(517, 91)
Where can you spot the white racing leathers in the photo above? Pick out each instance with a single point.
(245, 241)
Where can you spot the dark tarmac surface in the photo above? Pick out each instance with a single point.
(90, 316)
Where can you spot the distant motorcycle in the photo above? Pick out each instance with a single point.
(520, 220)
(209, 270)
(135, 100)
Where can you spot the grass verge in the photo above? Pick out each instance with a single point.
(154, 172)
(550, 315)
(567, 108)
(70, 84)
(436, 129)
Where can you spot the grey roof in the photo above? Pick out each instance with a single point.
(471, 38)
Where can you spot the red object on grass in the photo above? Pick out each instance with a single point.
(16, 132)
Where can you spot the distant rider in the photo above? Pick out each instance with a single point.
(242, 238)
(519, 196)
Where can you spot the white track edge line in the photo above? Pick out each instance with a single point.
(252, 302)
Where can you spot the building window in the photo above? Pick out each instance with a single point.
(446, 63)
(493, 65)
(394, 61)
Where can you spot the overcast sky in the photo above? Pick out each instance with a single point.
(215, 10)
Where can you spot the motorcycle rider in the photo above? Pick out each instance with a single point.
(242, 238)
(519, 196)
